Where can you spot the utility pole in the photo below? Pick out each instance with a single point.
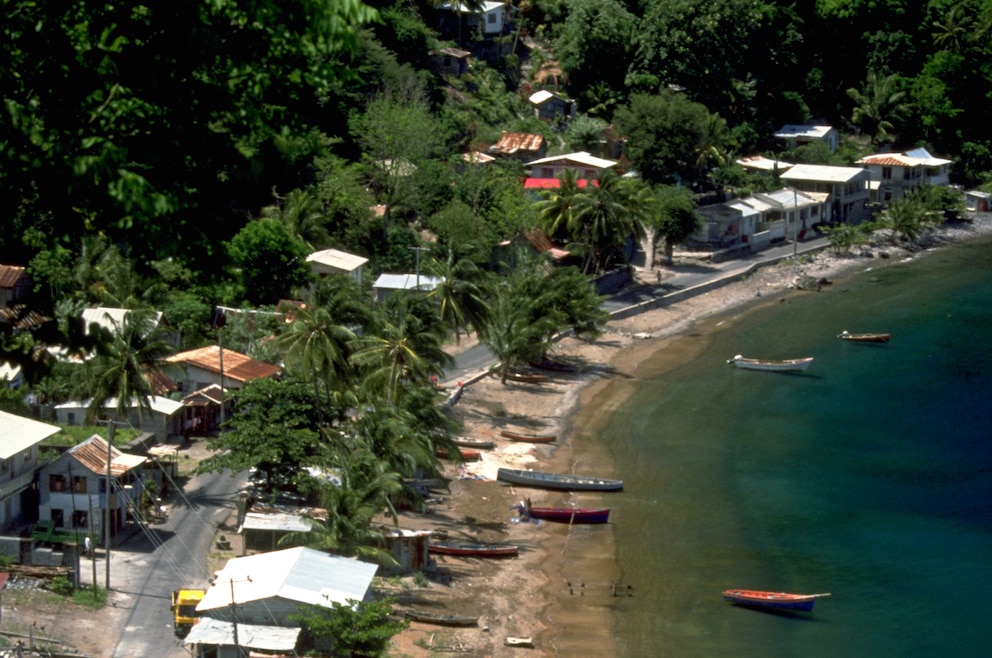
(107, 522)
(417, 250)
(795, 224)
(234, 611)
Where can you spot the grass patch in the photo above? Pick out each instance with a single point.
(88, 598)
(72, 435)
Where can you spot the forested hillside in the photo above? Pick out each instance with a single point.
(168, 131)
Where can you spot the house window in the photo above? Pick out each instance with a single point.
(70, 418)
(80, 519)
(547, 172)
(886, 173)
(4, 466)
(79, 483)
(56, 482)
(491, 18)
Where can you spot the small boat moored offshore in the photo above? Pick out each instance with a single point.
(560, 481)
(564, 514)
(864, 338)
(785, 365)
(468, 549)
(772, 600)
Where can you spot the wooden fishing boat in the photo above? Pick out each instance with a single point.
(519, 642)
(864, 338)
(772, 600)
(467, 454)
(526, 378)
(560, 481)
(472, 442)
(564, 514)
(786, 365)
(440, 619)
(468, 549)
(527, 438)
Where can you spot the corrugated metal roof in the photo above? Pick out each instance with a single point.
(204, 396)
(582, 158)
(157, 403)
(275, 521)
(237, 366)
(406, 282)
(299, 574)
(9, 275)
(914, 158)
(803, 130)
(92, 454)
(824, 173)
(18, 433)
(512, 142)
(762, 163)
(337, 260)
(252, 636)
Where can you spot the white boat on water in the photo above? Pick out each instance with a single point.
(786, 365)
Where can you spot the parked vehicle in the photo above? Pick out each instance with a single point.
(184, 602)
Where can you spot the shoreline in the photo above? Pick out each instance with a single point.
(570, 605)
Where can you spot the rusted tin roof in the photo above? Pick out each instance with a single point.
(92, 454)
(10, 275)
(237, 366)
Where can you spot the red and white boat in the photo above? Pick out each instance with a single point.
(773, 600)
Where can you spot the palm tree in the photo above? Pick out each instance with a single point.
(879, 108)
(301, 212)
(954, 30)
(512, 334)
(316, 350)
(461, 294)
(608, 214)
(556, 211)
(406, 345)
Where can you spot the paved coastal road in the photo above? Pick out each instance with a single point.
(145, 569)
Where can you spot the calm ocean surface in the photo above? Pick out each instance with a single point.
(869, 476)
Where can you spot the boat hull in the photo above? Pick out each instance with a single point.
(771, 600)
(468, 442)
(586, 515)
(526, 438)
(561, 482)
(441, 620)
(473, 550)
(865, 338)
(787, 365)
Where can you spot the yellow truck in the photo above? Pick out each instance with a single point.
(184, 602)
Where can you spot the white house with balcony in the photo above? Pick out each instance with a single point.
(72, 489)
(894, 175)
(844, 190)
(758, 220)
(19, 440)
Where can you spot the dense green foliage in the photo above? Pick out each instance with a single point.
(360, 629)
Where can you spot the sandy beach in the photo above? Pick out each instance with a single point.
(560, 590)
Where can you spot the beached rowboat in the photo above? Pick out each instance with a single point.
(560, 481)
(527, 438)
(786, 365)
(565, 514)
(468, 549)
(441, 620)
(472, 442)
(773, 600)
(467, 454)
(864, 338)
(527, 642)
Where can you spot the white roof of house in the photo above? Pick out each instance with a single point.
(539, 97)
(298, 574)
(743, 207)
(803, 130)
(465, 8)
(276, 522)
(406, 282)
(762, 163)
(824, 173)
(108, 317)
(252, 636)
(156, 402)
(789, 198)
(338, 260)
(581, 158)
(9, 371)
(18, 433)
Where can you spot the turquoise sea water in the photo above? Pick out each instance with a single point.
(869, 476)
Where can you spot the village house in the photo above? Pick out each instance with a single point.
(519, 146)
(549, 105)
(490, 18)
(843, 190)
(162, 420)
(894, 175)
(795, 135)
(451, 61)
(758, 220)
(269, 588)
(203, 410)
(332, 261)
(225, 368)
(585, 166)
(15, 284)
(390, 284)
(19, 440)
(72, 490)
